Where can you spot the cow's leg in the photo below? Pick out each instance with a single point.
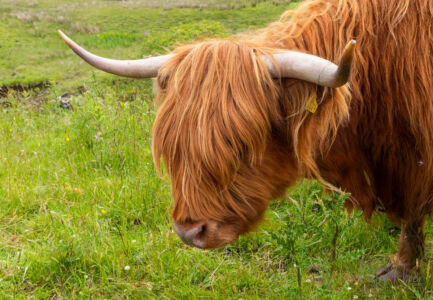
(410, 250)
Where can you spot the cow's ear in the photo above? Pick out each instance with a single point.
(160, 84)
(163, 78)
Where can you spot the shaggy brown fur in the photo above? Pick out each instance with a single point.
(232, 138)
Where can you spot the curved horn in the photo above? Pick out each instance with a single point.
(313, 68)
(140, 68)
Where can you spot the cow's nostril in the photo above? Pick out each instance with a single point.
(192, 234)
(199, 239)
(201, 232)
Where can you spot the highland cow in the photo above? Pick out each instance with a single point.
(242, 119)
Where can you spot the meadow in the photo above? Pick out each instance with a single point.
(83, 213)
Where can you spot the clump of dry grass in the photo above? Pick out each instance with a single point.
(83, 28)
(201, 4)
(24, 16)
(30, 17)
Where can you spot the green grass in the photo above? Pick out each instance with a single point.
(82, 210)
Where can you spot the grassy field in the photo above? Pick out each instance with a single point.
(82, 211)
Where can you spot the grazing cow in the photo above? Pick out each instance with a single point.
(241, 120)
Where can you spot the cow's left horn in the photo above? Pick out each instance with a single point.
(312, 68)
(140, 68)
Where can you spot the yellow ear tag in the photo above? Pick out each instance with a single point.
(312, 104)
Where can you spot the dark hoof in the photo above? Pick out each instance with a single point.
(395, 274)
(384, 270)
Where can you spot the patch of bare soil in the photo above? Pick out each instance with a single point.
(20, 88)
(34, 95)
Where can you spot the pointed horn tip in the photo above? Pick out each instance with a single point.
(60, 33)
(64, 37)
(349, 49)
(345, 65)
(68, 41)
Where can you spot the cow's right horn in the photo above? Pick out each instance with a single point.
(140, 68)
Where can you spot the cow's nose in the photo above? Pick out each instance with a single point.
(192, 234)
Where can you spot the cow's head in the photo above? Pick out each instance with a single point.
(222, 129)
